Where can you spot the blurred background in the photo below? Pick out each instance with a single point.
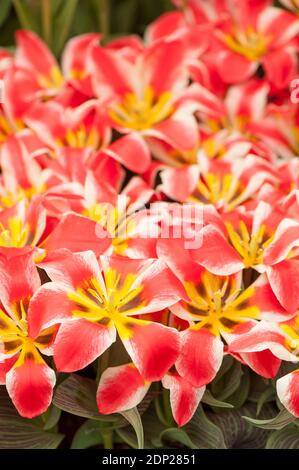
(57, 20)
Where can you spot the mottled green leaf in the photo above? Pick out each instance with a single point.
(203, 432)
(21, 433)
(287, 438)
(278, 422)
(210, 400)
(238, 433)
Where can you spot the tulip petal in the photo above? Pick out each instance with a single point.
(184, 397)
(288, 392)
(80, 342)
(201, 356)
(153, 347)
(121, 388)
(30, 384)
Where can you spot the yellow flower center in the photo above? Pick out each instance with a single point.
(54, 80)
(215, 188)
(9, 199)
(118, 224)
(250, 246)
(16, 234)
(142, 112)
(14, 334)
(121, 299)
(292, 335)
(80, 138)
(218, 304)
(249, 43)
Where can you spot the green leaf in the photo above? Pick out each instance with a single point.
(210, 400)
(287, 438)
(239, 434)
(133, 417)
(267, 395)
(77, 395)
(177, 435)
(21, 433)
(199, 433)
(51, 417)
(26, 15)
(240, 395)
(63, 23)
(228, 382)
(88, 435)
(278, 422)
(5, 7)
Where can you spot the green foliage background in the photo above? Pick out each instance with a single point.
(57, 20)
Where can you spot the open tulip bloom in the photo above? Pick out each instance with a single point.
(149, 206)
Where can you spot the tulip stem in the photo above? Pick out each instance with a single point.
(107, 439)
(104, 12)
(47, 21)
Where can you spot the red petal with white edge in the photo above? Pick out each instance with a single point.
(120, 388)
(184, 397)
(234, 68)
(266, 301)
(247, 100)
(80, 342)
(179, 183)
(279, 25)
(280, 67)
(263, 363)
(48, 120)
(49, 306)
(30, 386)
(32, 53)
(161, 288)
(19, 278)
(75, 55)
(201, 356)
(286, 238)
(288, 392)
(153, 347)
(163, 65)
(71, 269)
(78, 233)
(280, 275)
(5, 367)
(19, 169)
(132, 151)
(263, 336)
(165, 25)
(110, 73)
(173, 252)
(180, 131)
(221, 261)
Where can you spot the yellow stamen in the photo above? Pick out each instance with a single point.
(249, 43)
(142, 113)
